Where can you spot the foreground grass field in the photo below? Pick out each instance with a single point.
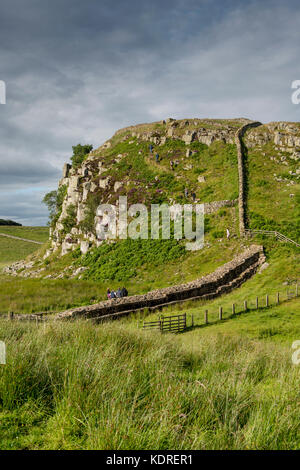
(81, 386)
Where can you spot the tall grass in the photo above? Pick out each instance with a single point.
(76, 385)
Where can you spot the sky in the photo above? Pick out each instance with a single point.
(78, 70)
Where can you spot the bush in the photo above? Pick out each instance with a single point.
(79, 154)
(70, 220)
(217, 234)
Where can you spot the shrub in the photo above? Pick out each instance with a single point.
(79, 154)
(217, 234)
(70, 220)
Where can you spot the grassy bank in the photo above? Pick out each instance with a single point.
(81, 386)
(34, 295)
(38, 234)
(280, 323)
(12, 250)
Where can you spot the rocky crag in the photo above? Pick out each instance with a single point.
(123, 166)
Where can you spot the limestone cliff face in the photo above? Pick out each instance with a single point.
(124, 166)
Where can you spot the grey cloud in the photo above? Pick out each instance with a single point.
(77, 71)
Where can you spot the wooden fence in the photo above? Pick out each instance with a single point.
(265, 302)
(177, 323)
(272, 233)
(173, 323)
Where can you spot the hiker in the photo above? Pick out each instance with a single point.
(157, 158)
(113, 295)
(124, 292)
(172, 165)
(227, 233)
(119, 293)
(194, 197)
(186, 192)
(108, 293)
(151, 148)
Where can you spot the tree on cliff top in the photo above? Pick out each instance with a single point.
(79, 153)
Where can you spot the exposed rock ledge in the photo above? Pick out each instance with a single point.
(224, 279)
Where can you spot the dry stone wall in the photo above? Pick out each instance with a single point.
(241, 172)
(224, 279)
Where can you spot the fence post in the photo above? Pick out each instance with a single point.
(233, 309)
(245, 305)
(256, 303)
(206, 317)
(277, 298)
(220, 313)
(267, 300)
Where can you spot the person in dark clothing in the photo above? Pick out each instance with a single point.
(151, 148)
(113, 295)
(157, 158)
(194, 197)
(119, 293)
(124, 292)
(108, 293)
(186, 192)
(172, 165)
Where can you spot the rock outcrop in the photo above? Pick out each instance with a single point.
(96, 178)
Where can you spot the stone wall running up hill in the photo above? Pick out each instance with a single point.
(224, 279)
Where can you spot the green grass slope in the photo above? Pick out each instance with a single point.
(12, 250)
(79, 386)
(277, 323)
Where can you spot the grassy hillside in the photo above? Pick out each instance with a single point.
(273, 196)
(12, 250)
(35, 295)
(225, 385)
(79, 386)
(39, 234)
(147, 265)
(280, 323)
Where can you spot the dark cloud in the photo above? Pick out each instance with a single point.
(76, 71)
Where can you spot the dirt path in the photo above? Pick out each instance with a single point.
(22, 239)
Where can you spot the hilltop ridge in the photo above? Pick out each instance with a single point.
(204, 156)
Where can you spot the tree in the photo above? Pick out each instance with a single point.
(79, 153)
(50, 199)
(54, 201)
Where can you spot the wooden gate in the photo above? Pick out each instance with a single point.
(172, 323)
